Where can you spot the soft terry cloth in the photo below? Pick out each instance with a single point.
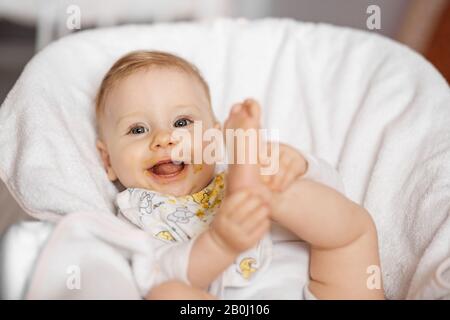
(378, 112)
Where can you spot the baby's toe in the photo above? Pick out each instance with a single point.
(252, 108)
(236, 108)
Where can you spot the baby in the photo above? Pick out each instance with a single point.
(212, 228)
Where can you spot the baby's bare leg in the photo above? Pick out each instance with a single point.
(176, 290)
(342, 236)
(243, 174)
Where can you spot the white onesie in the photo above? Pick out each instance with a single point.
(174, 222)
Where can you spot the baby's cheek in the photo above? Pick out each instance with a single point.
(183, 151)
(203, 173)
(126, 163)
(197, 168)
(212, 150)
(196, 150)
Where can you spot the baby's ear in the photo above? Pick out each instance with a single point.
(101, 147)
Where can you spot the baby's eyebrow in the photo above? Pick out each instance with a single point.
(175, 107)
(127, 116)
(186, 106)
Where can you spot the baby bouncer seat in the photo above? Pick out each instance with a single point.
(374, 109)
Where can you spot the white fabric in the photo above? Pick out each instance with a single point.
(19, 248)
(375, 110)
(437, 286)
(169, 218)
(88, 257)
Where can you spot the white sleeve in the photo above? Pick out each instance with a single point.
(163, 262)
(321, 171)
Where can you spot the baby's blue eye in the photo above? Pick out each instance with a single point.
(137, 130)
(182, 122)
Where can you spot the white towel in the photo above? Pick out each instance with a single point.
(374, 109)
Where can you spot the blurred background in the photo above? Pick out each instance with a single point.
(27, 26)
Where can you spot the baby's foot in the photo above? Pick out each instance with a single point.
(244, 167)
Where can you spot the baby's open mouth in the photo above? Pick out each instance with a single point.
(167, 168)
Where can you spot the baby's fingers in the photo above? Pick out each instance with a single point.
(246, 208)
(235, 200)
(259, 231)
(255, 218)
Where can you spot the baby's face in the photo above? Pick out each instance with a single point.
(141, 112)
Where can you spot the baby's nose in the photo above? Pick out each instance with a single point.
(162, 139)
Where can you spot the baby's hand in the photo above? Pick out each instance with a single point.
(241, 222)
(291, 166)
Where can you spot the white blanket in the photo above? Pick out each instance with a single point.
(375, 110)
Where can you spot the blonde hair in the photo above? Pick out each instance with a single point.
(141, 60)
